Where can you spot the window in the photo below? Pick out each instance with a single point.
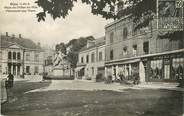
(125, 51)
(87, 58)
(111, 55)
(36, 57)
(92, 57)
(9, 55)
(93, 71)
(14, 55)
(146, 47)
(156, 69)
(36, 70)
(28, 57)
(134, 50)
(111, 37)
(18, 69)
(100, 56)
(125, 33)
(82, 59)
(28, 69)
(18, 55)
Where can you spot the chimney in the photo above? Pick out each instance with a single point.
(6, 34)
(20, 36)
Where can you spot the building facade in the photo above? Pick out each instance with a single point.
(20, 57)
(91, 60)
(142, 51)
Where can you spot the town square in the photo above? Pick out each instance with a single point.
(92, 58)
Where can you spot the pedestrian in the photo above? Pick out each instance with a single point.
(10, 80)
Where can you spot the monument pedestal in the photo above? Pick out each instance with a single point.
(58, 72)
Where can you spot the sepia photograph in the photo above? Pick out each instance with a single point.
(92, 57)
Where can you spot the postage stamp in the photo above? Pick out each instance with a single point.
(170, 15)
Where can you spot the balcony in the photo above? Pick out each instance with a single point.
(15, 60)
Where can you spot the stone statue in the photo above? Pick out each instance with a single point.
(59, 57)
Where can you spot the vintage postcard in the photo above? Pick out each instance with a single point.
(92, 57)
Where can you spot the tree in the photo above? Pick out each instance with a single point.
(105, 8)
(75, 45)
(142, 11)
(61, 47)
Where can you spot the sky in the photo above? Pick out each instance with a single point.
(79, 23)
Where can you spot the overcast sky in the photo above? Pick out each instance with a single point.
(80, 22)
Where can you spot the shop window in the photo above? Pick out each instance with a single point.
(125, 33)
(9, 55)
(100, 56)
(14, 55)
(125, 51)
(177, 68)
(111, 37)
(156, 69)
(87, 59)
(146, 47)
(111, 55)
(92, 57)
(134, 50)
(18, 56)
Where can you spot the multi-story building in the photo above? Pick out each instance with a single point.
(20, 56)
(142, 51)
(91, 60)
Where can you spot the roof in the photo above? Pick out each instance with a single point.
(6, 41)
(98, 42)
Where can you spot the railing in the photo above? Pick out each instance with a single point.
(15, 60)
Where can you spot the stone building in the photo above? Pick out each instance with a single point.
(19, 55)
(142, 51)
(91, 60)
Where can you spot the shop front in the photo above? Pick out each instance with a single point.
(167, 67)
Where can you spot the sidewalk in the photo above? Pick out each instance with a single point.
(160, 85)
(146, 85)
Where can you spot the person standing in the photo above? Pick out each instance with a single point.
(10, 80)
